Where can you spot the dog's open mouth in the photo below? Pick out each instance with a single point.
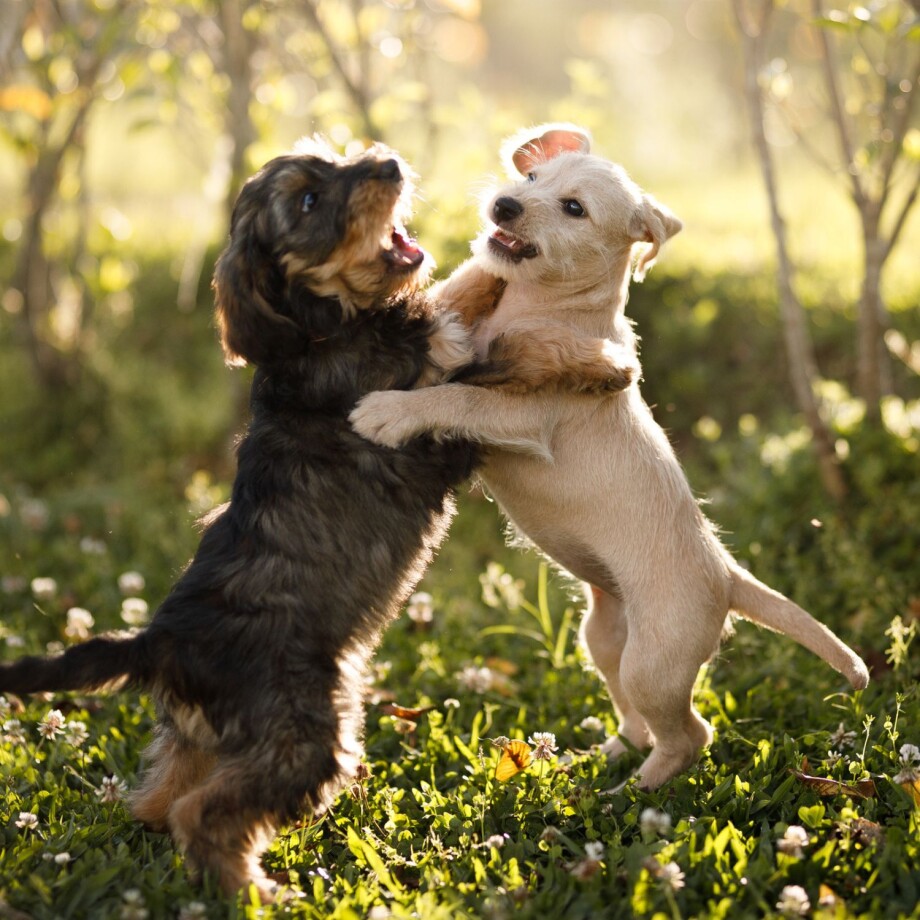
(512, 247)
(404, 253)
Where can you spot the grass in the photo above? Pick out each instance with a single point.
(431, 832)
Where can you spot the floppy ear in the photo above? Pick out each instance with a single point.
(246, 284)
(527, 149)
(651, 223)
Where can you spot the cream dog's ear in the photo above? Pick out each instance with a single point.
(651, 223)
(528, 148)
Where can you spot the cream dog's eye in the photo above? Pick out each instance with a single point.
(573, 208)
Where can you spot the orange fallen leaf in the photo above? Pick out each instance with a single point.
(863, 789)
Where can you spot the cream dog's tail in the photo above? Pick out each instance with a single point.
(762, 605)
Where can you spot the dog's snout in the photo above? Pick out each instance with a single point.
(388, 170)
(506, 208)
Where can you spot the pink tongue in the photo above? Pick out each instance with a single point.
(404, 244)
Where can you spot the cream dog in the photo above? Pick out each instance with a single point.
(591, 478)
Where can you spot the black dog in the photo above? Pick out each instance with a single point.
(257, 656)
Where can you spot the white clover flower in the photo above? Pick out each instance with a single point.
(841, 738)
(792, 842)
(594, 849)
(420, 608)
(111, 790)
(585, 869)
(194, 910)
(27, 821)
(652, 821)
(79, 623)
(496, 840)
(550, 834)
(133, 907)
(909, 758)
(43, 589)
(54, 648)
(15, 641)
(34, 514)
(90, 546)
(12, 584)
(793, 901)
(832, 759)
(591, 724)
(451, 703)
(544, 744)
(131, 583)
(135, 611)
(62, 858)
(52, 724)
(76, 733)
(479, 680)
(13, 732)
(673, 875)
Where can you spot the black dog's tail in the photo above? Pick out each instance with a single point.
(109, 661)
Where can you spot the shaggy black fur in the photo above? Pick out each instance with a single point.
(257, 656)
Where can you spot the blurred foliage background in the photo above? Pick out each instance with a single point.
(127, 127)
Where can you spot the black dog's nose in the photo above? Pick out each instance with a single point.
(506, 208)
(388, 170)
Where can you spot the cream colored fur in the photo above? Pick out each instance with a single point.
(591, 478)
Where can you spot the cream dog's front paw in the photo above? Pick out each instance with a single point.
(383, 418)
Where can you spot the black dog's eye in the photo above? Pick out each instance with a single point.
(573, 208)
(531, 177)
(309, 199)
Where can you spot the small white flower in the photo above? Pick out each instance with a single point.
(5, 707)
(793, 841)
(793, 901)
(54, 648)
(420, 609)
(594, 849)
(672, 875)
(841, 738)
(832, 759)
(111, 790)
(15, 642)
(75, 733)
(135, 611)
(12, 584)
(379, 912)
(550, 834)
(544, 745)
(652, 821)
(131, 583)
(591, 724)
(34, 514)
(62, 858)
(194, 910)
(27, 821)
(13, 732)
(479, 680)
(92, 547)
(133, 907)
(52, 724)
(496, 840)
(585, 868)
(451, 703)
(44, 589)
(909, 758)
(79, 623)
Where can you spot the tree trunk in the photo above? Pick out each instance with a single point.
(873, 370)
(803, 370)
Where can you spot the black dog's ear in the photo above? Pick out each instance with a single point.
(248, 290)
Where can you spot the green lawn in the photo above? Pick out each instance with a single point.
(431, 832)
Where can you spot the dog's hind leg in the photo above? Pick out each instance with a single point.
(174, 766)
(223, 829)
(604, 632)
(658, 670)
